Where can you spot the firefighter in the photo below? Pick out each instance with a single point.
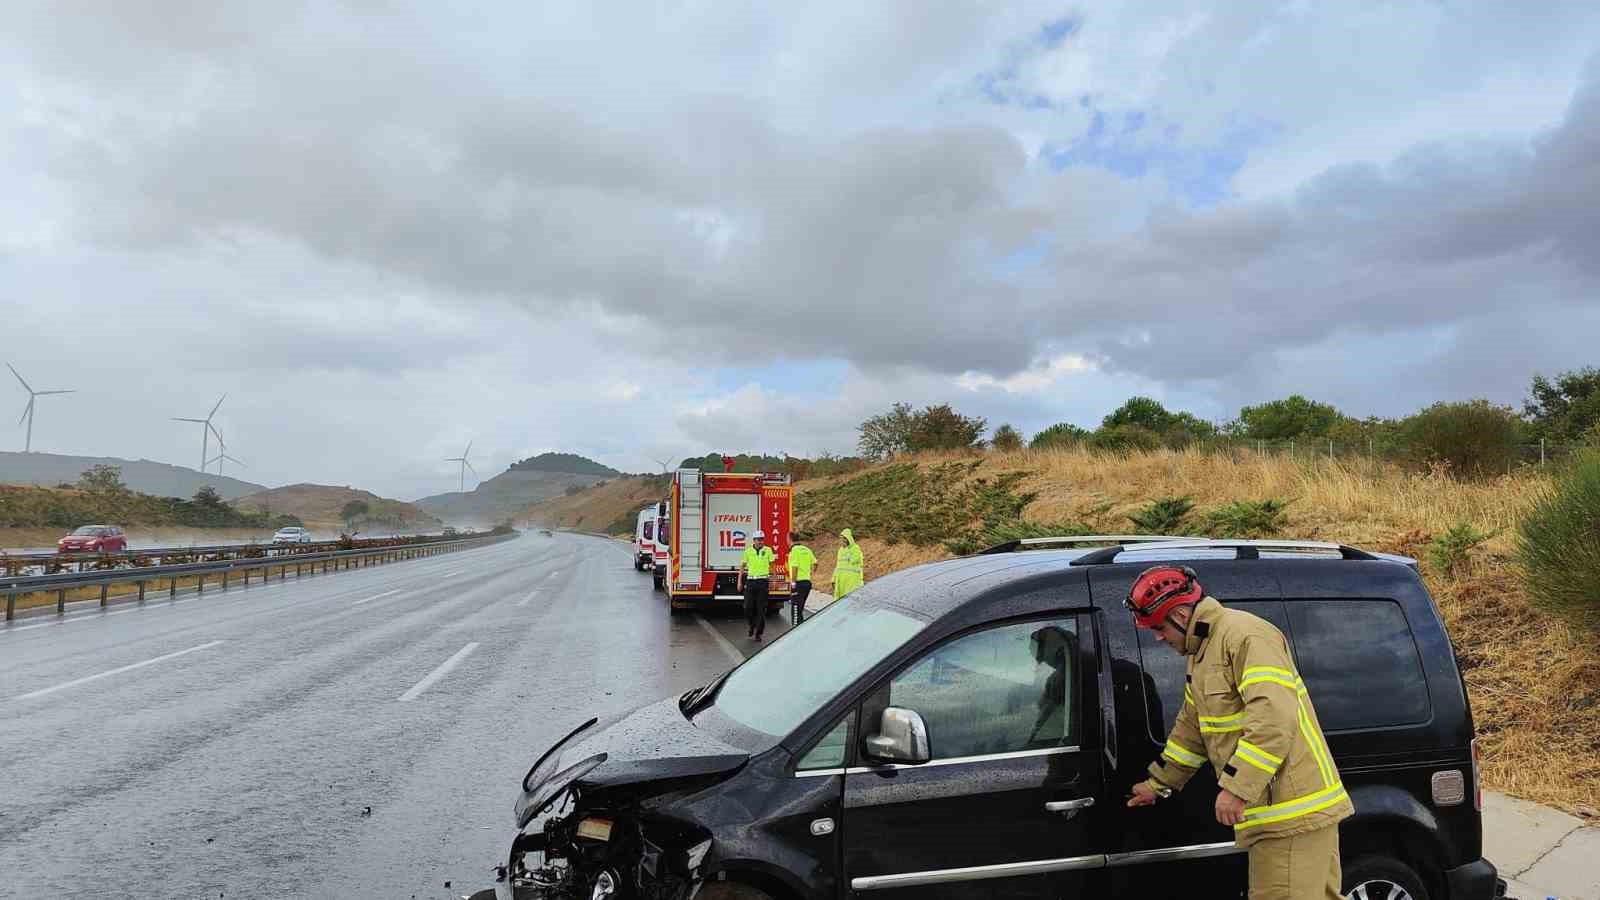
(848, 568)
(800, 563)
(755, 568)
(1246, 711)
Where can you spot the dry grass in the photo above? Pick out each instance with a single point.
(593, 509)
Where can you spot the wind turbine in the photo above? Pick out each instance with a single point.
(222, 454)
(464, 466)
(27, 413)
(205, 435)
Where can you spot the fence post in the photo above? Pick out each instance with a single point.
(1541, 452)
(104, 590)
(61, 602)
(1330, 450)
(141, 592)
(172, 587)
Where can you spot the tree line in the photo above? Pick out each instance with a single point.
(1472, 437)
(100, 497)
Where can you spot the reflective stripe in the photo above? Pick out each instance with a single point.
(1182, 755)
(1223, 720)
(1324, 764)
(1295, 685)
(1221, 724)
(1257, 757)
(1266, 670)
(1292, 809)
(1187, 697)
(1222, 729)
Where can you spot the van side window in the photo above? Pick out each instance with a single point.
(649, 531)
(1360, 663)
(828, 753)
(1000, 690)
(1165, 668)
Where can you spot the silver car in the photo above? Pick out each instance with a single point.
(292, 534)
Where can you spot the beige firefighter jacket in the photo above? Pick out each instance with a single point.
(1246, 711)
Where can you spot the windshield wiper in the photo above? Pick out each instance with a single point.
(703, 696)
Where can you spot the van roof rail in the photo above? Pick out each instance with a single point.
(1068, 540)
(1243, 549)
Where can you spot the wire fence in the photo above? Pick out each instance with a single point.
(1541, 454)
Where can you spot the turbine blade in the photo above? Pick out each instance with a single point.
(470, 469)
(43, 393)
(179, 419)
(217, 407)
(25, 410)
(467, 452)
(25, 386)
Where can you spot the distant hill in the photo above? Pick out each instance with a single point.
(142, 475)
(612, 507)
(508, 494)
(564, 463)
(322, 505)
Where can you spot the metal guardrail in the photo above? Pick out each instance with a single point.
(52, 562)
(14, 586)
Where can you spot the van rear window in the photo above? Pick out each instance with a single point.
(1359, 663)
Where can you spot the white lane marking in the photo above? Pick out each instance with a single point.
(452, 572)
(726, 645)
(376, 597)
(524, 600)
(118, 671)
(436, 674)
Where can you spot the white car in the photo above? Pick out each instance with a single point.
(292, 534)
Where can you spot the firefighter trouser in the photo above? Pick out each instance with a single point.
(755, 605)
(797, 612)
(1298, 867)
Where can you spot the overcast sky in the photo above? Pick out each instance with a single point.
(648, 231)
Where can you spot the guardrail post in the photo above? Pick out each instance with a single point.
(224, 579)
(201, 587)
(61, 602)
(11, 607)
(104, 590)
(141, 592)
(246, 577)
(297, 570)
(172, 587)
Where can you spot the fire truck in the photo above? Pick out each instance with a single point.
(713, 517)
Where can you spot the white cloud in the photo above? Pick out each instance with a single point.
(1041, 377)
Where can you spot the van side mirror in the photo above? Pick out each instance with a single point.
(902, 737)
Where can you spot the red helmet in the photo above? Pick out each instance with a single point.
(1158, 591)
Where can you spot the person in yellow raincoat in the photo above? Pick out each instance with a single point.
(849, 569)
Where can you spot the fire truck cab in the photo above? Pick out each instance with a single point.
(714, 516)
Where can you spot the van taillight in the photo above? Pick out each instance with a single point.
(1477, 781)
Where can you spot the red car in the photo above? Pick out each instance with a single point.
(94, 539)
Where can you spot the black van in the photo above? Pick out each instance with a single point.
(970, 728)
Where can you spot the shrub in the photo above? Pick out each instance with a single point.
(1448, 551)
(1006, 439)
(1476, 439)
(1061, 434)
(1247, 519)
(1558, 545)
(1124, 437)
(1162, 516)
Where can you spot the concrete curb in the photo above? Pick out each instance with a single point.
(1541, 852)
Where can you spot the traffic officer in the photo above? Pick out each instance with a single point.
(800, 563)
(1246, 711)
(848, 568)
(755, 568)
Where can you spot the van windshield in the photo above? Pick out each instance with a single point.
(775, 690)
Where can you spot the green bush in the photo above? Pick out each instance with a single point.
(1061, 434)
(1006, 439)
(1558, 545)
(1124, 437)
(1247, 519)
(1476, 439)
(1162, 516)
(1448, 552)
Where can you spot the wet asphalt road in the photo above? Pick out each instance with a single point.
(356, 734)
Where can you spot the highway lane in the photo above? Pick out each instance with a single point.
(358, 734)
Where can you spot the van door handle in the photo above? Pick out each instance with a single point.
(1070, 807)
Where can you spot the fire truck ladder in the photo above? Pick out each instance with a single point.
(691, 527)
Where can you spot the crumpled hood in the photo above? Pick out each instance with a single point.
(653, 746)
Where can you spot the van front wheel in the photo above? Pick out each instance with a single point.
(1382, 878)
(730, 890)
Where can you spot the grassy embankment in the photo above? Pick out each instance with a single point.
(1534, 682)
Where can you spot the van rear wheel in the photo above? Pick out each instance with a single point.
(1382, 878)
